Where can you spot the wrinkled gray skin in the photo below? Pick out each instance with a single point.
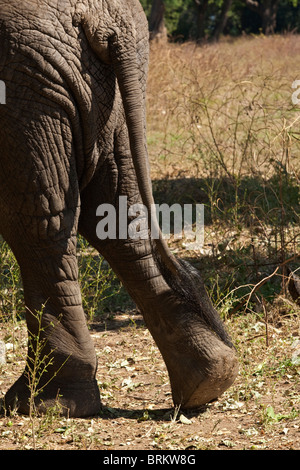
(72, 136)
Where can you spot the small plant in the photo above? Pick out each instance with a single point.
(97, 281)
(11, 291)
(37, 365)
(269, 417)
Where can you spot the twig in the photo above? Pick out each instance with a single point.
(259, 285)
(266, 321)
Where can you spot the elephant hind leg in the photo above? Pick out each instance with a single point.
(40, 205)
(195, 347)
(200, 361)
(61, 354)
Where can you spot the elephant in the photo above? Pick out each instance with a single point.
(73, 137)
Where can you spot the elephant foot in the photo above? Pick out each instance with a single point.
(205, 380)
(200, 365)
(80, 399)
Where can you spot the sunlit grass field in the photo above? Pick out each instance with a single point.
(223, 131)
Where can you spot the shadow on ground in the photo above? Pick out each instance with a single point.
(163, 414)
(273, 201)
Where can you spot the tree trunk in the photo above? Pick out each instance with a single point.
(267, 10)
(223, 20)
(201, 8)
(269, 16)
(157, 28)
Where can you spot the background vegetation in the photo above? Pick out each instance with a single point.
(207, 19)
(223, 131)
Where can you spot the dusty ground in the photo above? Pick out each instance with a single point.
(261, 410)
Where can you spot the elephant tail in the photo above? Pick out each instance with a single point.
(118, 47)
(181, 277)
(115, 44)
(123, 56)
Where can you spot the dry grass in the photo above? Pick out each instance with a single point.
(223, 131)
(224, 109)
